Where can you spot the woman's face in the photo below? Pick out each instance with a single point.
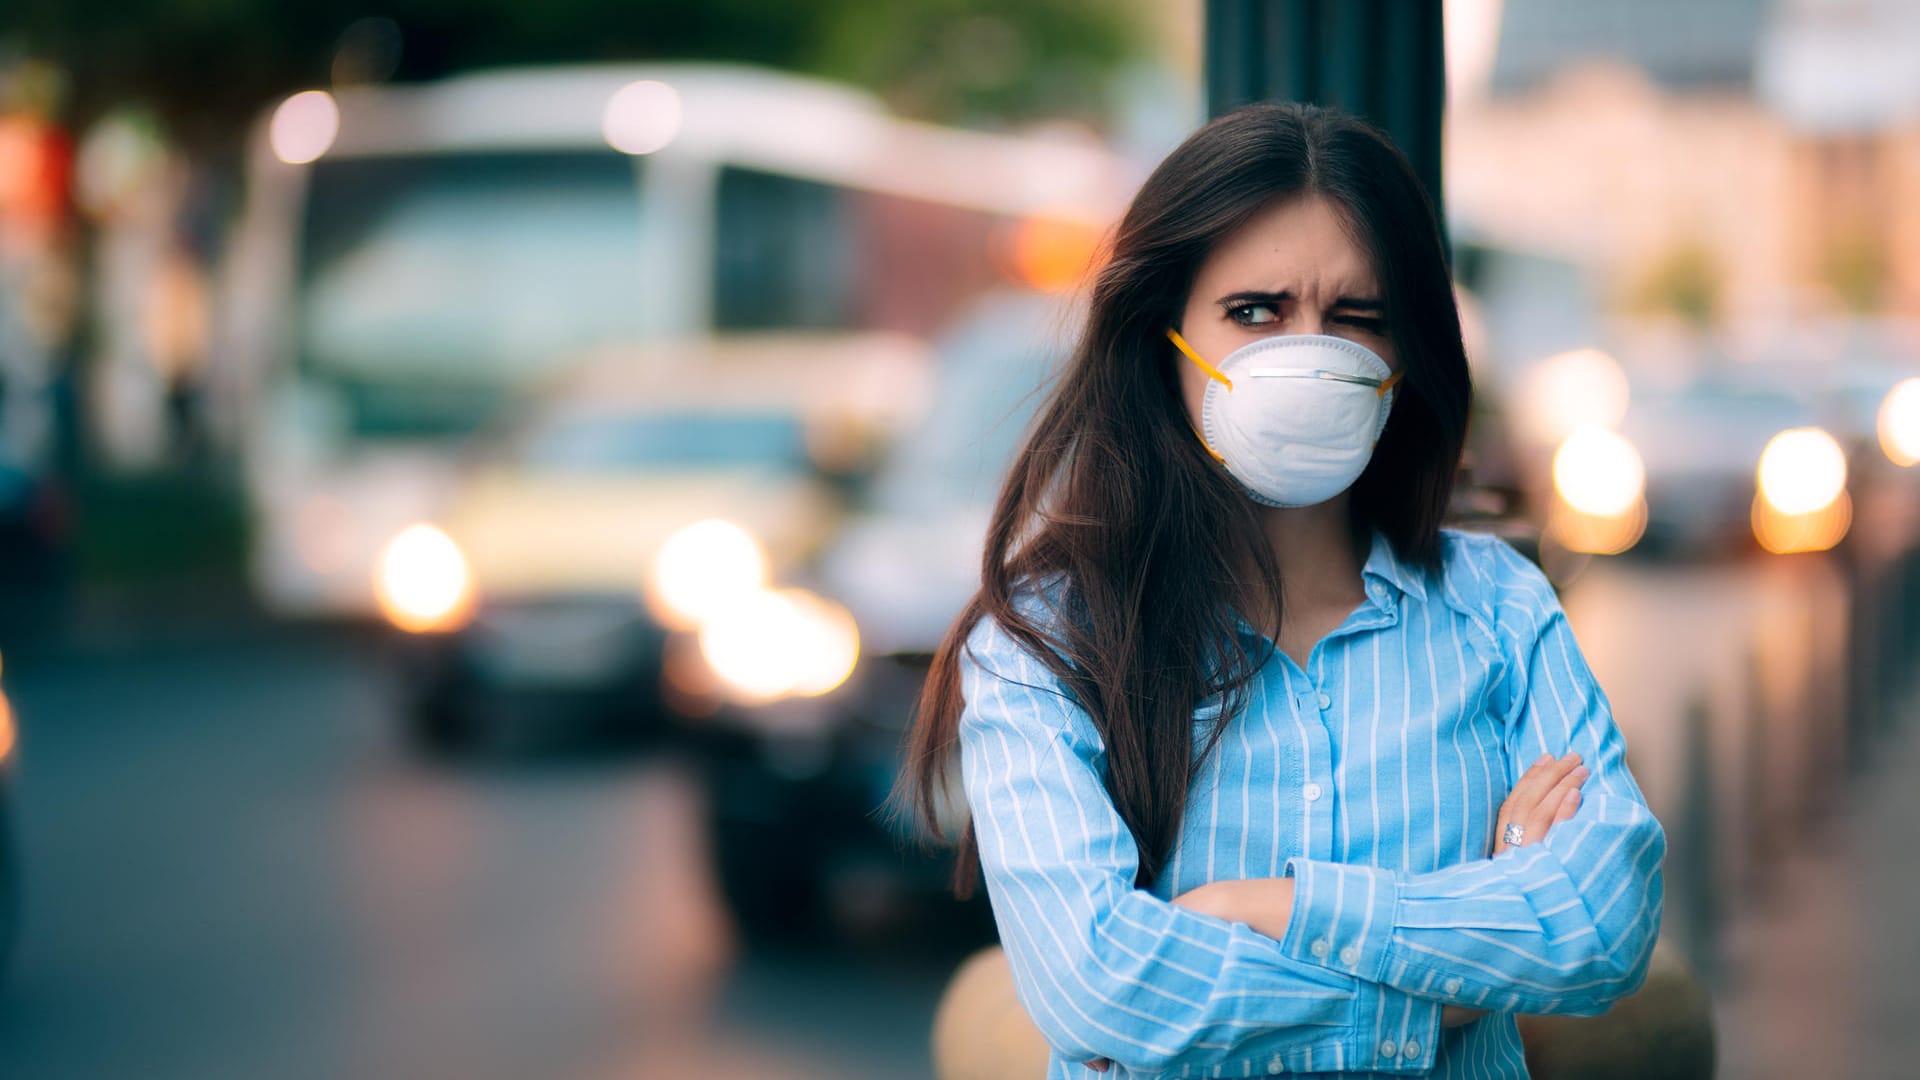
(1292, 269)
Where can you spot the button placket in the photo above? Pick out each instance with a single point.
(1316, 841)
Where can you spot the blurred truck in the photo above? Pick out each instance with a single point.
(411, 259)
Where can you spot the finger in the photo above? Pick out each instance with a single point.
(1533, 787)
(1538, 780)
(1099, 1064)
(1543, 815)
(1569, 806)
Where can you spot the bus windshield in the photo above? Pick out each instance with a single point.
(610, 441)
(435, 285)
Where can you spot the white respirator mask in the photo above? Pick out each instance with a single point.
(1294, 418)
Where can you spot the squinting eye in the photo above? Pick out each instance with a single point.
(1254, 314)
(1361, 322)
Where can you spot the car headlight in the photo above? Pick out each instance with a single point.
(422, 581)
(8, 732)
(779, 643)
(704, 568)
(1900, 423)
(1599, 472)
(1802, 470)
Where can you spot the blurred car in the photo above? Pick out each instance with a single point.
(798, 785)
(1712, 465)
(1701, 445)
(577, 562)
(412, 258)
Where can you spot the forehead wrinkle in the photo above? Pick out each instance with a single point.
(1311, 251)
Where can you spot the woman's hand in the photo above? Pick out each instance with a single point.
(1546, 795)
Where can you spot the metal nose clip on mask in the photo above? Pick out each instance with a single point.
(1294, 418)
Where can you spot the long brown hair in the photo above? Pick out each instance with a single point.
(1113, 497)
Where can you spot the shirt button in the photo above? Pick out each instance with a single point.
(1410, 1050)
(1453, 986)
(1350, 955)
(1388, 1049)
(1311, 791)
(1276, 1067)
(1324, 701)
(1321, 948)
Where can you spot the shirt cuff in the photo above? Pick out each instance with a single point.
(1398, 1033)
(1342, 917)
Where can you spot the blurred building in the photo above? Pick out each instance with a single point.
(1732, 162)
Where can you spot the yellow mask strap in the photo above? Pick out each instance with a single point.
(1212, 372)
(1388, 385)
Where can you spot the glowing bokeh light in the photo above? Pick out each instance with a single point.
(304, 127)
(642, 117)
(422, 582)
(703, 568)
(8, 733)
(1802, 470)
(1053, 254)
(1598, 472)
(1900, 423)
(1597, 534)
(1786, 534)
(774, 643)
(1569, 391)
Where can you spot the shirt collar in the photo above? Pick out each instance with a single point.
(1383, 565)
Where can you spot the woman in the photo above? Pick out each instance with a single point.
(1268, 772)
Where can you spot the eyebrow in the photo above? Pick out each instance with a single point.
(1356, 303)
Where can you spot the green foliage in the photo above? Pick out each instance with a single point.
(981, 59)
(1856, 270)
(209, 65)
(1686, 281)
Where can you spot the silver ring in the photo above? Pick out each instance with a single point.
(1515, 834)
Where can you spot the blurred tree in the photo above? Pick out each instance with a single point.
(1686, 281)
(207, 66)
(1855, 269)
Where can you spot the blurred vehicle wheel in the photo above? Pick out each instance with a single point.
(770, 875)
(438, 726)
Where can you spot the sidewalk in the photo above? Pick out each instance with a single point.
(1822, 973)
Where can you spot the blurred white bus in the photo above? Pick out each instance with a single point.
(411, 258)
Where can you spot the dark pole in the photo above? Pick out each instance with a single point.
(1384, 60)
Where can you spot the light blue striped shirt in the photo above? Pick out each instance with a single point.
(1372, 777)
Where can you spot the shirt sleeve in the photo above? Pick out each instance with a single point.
(1106, 969)
(1564, 925)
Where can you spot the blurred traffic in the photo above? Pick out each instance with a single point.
(470, 469)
